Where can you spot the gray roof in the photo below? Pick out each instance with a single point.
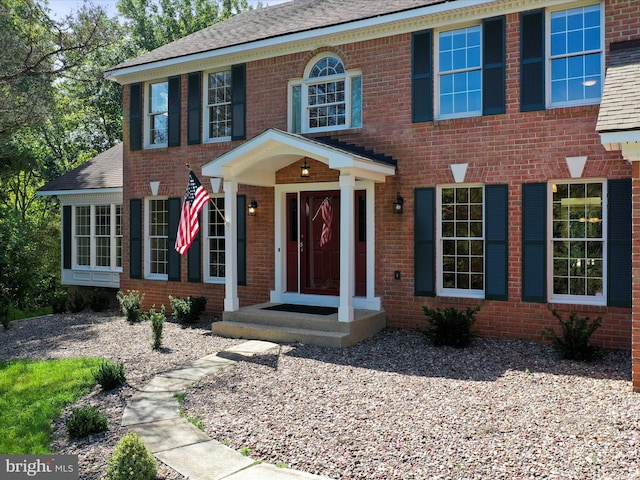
(274, 21)
(620, 105)
(102, 171)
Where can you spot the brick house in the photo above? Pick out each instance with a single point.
(455, 153)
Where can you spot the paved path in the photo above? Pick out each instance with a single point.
(154, 413)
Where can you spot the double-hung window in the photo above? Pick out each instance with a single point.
(215, 241)
(578, 243)
(83, 235)
(461, 241)
(98, 237)
(576, 56)
(158, 114)
(327, 98)
(218, 110)
(157, 238)
(460, 72)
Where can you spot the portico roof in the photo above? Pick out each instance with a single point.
(257, 161)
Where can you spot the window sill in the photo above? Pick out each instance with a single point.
(216, 140)
(472, 294)
(164, 278)
(214, 281)
(154, 147)
(600, 301)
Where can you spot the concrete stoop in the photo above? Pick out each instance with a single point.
(254, 322)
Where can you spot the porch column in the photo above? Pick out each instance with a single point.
(231, 301)
(635, 275)
(347, 247)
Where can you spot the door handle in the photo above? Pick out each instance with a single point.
(302, 246)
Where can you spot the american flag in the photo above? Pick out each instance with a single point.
(327, 220)
(194, 199)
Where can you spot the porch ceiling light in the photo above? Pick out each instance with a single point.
(304, 169)
(398, 204)
(252, 207)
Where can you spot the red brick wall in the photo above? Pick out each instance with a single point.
(512, 149)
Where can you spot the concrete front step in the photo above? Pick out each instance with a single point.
(285, 327)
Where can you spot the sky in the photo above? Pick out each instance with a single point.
(60, 8)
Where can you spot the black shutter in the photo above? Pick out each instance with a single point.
(135, 238)
(194, 105)
(135, 116)
(496, 242)
(194, 256)
(532, 61)
(493, 71)
(66, 237)
(534, 237)
(242, 239)
(424, 245)
(238, 102)
(422, 83)
(173, 257)
(175, 95)
(619, 238)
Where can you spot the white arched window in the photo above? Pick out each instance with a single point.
(327, 98)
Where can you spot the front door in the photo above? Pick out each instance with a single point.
(313, 243)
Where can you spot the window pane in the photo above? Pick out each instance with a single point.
(158, 236)
(219, 104)
(215, 237)
(159, 97)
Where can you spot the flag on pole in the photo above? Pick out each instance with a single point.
(194, 199)
(327, 220)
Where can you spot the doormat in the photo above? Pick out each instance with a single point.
(308, 309)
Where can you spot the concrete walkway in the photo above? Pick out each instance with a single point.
(154, 414)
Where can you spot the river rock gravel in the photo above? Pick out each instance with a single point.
(392, 407)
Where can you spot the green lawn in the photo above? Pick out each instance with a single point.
(32, 394)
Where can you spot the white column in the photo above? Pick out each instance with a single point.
(231, 301)
(347, 247)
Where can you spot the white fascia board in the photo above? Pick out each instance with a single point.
(314, 34)
(60, 193)
(618, 138)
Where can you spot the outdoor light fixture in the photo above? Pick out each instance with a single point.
(304, 169)
(252, 207)
(398, 204)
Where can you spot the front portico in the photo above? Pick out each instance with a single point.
(256, 163)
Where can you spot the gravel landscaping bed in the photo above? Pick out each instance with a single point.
(392, 407)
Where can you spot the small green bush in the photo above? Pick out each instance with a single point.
(573, 343)
(110, 375)
(86, 420)
(131, 460)
(157, 325)
(188, 310)
(4, 313)
(77, 302)
(60, 301)
(451, 327)
(99, 300)
(131, 305)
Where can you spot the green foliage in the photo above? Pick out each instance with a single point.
(99, 300)
(157, 325)
(77, 302)
(59, 301)
(131, 304)
(573, 343)
(32, 394)
(5, 319)
(451, 327)
(188, 310)
(86, 420)
(110, 375)
(131, 459)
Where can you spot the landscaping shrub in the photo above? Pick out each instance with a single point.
(99, 300)
(131, 304)
(4, 313)
(131, 460)
(157, 325)
(110, 375)
(573, 343)
(60, 301)
(77, 302)
(188, 310)
(451, 327)
(86, 420)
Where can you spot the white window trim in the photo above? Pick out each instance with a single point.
(576, 299)
(437, 74)
(92, 239)
(147, 116)
(304, 95)
(547, 46)
(456, 292)
(205, 107)
(147, 242)
(206, 257)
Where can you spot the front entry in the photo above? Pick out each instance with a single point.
(313, 242)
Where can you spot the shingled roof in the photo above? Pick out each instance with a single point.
(620, 105)
(101, 172)
(274, 21)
